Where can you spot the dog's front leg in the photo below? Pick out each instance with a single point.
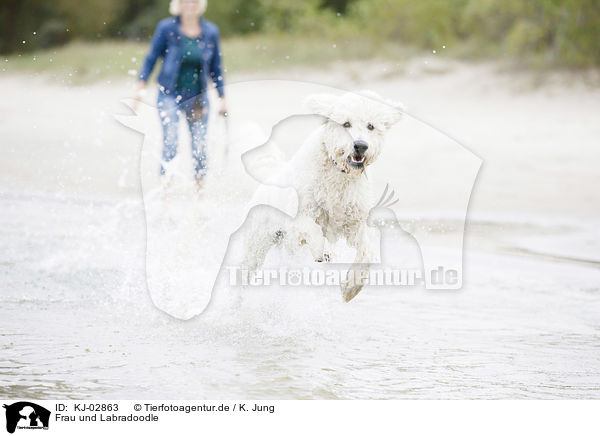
(305, 231)
(358, 274)
(327, 250)
(323, 222)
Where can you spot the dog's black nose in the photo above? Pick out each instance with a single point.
(360, 146)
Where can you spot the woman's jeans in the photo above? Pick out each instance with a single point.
(195, 109)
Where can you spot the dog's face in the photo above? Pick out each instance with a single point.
(355, 126)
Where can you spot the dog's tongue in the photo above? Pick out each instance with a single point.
(357, 159)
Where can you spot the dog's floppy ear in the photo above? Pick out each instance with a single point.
(321, 104)
(393, 110)
(394, 113)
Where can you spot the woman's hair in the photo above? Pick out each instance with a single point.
(175, 9)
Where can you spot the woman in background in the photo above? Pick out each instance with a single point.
(190, 48)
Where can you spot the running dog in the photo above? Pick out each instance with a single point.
(328, 173)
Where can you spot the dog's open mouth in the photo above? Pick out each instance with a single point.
(356, 160)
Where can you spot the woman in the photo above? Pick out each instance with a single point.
(189, 46)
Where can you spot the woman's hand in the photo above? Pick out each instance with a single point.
(141, 91)
(223, 109)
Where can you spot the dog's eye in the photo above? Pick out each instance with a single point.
(370, 126)
(347, 124)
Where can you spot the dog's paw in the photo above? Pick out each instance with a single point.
(324, 258)
(350, 290)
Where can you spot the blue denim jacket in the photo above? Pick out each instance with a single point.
(167, 43)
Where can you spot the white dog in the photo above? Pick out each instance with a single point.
(333, 192)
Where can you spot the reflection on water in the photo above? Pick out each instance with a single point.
(76, 321)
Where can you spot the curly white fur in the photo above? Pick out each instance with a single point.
(327, 173)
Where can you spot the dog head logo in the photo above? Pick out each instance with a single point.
(26, 415)
(422, 177)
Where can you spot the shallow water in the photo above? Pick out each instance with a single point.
(77, 322)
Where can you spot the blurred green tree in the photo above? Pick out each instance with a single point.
(337, 5)
(19, 19)
(91, 19)
(565, 32)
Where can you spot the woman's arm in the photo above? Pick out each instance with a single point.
(216, 72)
(158, 46)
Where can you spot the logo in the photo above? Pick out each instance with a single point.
(424, 177)
(26, 415)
